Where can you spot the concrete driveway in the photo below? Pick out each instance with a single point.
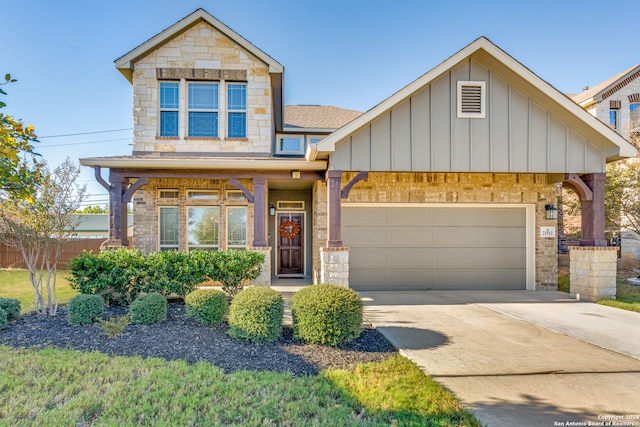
(519, 357)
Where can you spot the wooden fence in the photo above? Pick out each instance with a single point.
(12, 258)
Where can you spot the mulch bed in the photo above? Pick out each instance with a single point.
(180, 337)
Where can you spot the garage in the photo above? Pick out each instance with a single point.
(422, 247)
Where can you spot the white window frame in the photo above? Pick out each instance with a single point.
(227, 224)
(301, 144)
(235, 196)
(216, 109)
(166, 247)
(230, 110)
(162, 109)
(209, 195)
(162, 192)
(483, 101)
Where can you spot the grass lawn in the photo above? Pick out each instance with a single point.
(627, 297)
(63, 387)
(16, 284)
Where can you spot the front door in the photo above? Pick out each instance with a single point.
(290, 243)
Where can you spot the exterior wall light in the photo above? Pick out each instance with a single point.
(272, 210)
(551, 212)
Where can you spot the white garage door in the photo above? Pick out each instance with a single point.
(420, 248)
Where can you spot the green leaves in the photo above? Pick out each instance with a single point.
(19, 170)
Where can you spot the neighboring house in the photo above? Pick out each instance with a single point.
(616, 102)
(91, 226)
(444, 185)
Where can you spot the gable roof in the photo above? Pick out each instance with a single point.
(615, 146)
(125, 63)
(607, 87)
(317, 116)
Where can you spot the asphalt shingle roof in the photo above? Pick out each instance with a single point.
(317, 116)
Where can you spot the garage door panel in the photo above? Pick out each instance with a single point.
(369, 257)
(368, 216)
(409, 258)
(507, 258)
(365, 235)
(458, 258)
(410, 216)
(436, 247)
(404, 236)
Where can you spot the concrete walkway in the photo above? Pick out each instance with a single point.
(518, 357)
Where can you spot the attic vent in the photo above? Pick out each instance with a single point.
(471, 100)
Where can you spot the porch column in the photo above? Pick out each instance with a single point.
(593, 212)
(259, 205)
(334, 221)
(117, 211)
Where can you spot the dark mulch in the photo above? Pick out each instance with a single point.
(180, 337)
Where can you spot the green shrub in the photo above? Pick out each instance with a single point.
(208, 306)
(84, 309)
(255, 315)
(234, 269)
(173, 272)
(148, 308)
(326, 314)
(114, 326)
(11, 306)
(3, 318)
(116, 274)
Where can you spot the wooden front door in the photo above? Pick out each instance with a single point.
(290, 243)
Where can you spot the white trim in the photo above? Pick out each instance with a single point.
(280, 204)
(469, 115)
(530, 226)
(205, 163)
(304, 242)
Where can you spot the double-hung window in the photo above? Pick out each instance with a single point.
(237, 110)
(169, 105)
(203, 109)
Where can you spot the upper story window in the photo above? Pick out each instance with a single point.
(290, 145)
(237, 110)
(169, 106)
(634, 109)
(203, 109)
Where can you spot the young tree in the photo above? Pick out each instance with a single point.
(97, 209)
(40, 226)
(18, 162)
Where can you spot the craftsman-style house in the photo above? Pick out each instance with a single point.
(447, 184)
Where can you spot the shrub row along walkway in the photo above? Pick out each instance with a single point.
(181, 337)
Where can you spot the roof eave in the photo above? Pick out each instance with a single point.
(126, 63)
(208, 163)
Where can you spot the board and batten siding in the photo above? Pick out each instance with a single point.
(423, 134)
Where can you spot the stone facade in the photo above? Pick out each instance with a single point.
(334, 266)
(593, 272)
(265, 274)
(390, 187)
(202, 47)
(146, 204)
(602, 108)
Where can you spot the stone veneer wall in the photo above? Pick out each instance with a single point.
(146, 203)
(334, 266)
(202, 47)
(592, 272)
(427, 187)
(265, 273)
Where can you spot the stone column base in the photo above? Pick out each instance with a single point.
(264, 279)
(334, 266)
(593, 272)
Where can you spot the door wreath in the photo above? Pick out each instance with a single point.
(289, 229)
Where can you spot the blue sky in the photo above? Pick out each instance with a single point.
(347, 53)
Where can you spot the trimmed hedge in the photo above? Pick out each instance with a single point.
(148, 309)
(255, 315)
(3, 318)
(326, 314)
(121, 274)
(11, 307)
(84, 309)
(208, 306)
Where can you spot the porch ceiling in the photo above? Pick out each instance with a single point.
(204, 163)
